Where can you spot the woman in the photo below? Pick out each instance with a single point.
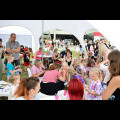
(39, 52)
(38, 69)
(1, 64)
(56, 56)
(75, 89)
(49, 84)
(27, 89)
(69, 59)
(113, 88)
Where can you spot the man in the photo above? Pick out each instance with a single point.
(13, 47)
(1, 64)
(64, 53)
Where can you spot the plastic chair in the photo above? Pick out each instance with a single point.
(29, 72)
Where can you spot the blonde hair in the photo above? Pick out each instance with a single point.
(106, 41)
(37, 61)
(55, 49)
(13, 77)
(71, 71)
(9, 56)
(102, 50)
(96, 71)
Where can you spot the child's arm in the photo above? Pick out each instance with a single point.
(13, 71)
(17, 66)
(93, 93)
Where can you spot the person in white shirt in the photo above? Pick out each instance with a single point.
(14, 80)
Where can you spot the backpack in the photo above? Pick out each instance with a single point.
(26, 57)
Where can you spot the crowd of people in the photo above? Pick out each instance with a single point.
(92, 75)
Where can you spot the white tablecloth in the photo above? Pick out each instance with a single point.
(6, 91)
(44, 56)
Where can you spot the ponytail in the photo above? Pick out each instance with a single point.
(25, 85)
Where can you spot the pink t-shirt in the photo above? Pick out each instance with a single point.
(51, 76)
(39, 53)
(35, 70)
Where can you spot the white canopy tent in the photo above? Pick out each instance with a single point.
(109, 28)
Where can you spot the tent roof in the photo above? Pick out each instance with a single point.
(15, 29)
(109, 28)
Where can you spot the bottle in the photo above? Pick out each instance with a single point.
(104, 87)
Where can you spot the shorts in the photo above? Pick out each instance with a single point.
(26, 63)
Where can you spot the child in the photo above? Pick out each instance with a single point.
(80, 68)
(31, 56)
(14, 80)
(64, 67)
(26, 57)
(95, 87)
(10, 67)
(90, 65)
(74, 74)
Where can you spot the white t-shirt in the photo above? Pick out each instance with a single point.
(19, 98)
(51, 53)
(13, 89)
(105, 68)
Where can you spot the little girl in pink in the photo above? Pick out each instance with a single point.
(95, 87)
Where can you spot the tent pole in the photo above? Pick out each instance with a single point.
(42, 38)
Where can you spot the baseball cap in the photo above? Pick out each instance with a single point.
(26, 49)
